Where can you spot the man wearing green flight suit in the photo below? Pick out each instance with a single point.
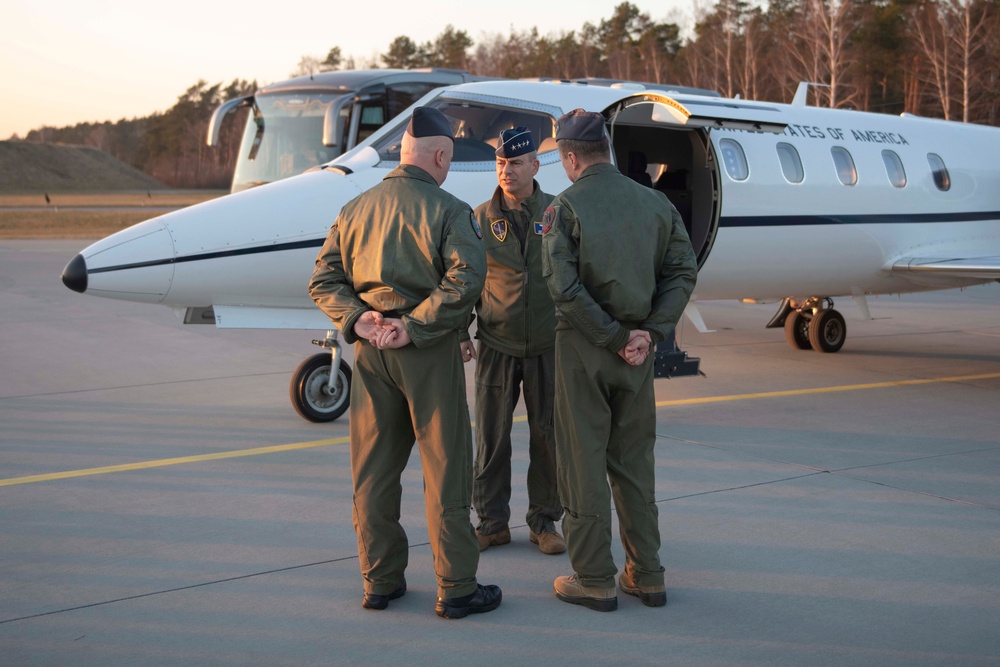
(516, 328)
(620, 268)
(399, 274)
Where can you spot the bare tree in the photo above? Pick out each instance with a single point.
(589, 50)
(969, 20)
(487, 58)
(308, 65)
(749, 73)
(658, 45)
(932, 36)
(822, 34)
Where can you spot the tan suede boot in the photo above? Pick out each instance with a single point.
(548, 541)
(494, 539)
(651, 596)
(569, 589)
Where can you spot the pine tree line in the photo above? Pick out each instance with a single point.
(927, 57)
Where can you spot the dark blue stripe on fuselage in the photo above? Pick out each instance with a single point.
(879, 219)
(726, 222)
(256, 250)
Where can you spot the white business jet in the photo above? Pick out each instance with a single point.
(784, 203)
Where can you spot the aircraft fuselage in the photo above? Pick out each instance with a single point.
(764, 227)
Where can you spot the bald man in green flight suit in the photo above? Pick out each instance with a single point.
(399, 274)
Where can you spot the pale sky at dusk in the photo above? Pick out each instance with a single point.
(64, 62)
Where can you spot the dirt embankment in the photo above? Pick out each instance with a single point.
(39, 168)
(62, 191)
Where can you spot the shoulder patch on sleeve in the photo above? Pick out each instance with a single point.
(475, 225)
(548, 218)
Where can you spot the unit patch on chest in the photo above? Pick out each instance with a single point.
(499, 229)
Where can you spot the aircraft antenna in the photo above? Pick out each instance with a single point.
(801, 98)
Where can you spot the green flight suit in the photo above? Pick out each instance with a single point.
(516, 328)
(408, 249)
(616, 257)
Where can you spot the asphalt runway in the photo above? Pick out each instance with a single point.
(161, 503)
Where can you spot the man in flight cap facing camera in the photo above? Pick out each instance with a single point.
(620, 268)
(399, 274)
(516, 332)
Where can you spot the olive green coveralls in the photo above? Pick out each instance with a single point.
(516, 328)
(407, 249)
(616, 258)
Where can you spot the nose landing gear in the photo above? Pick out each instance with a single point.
(320, 388)
(811, 324)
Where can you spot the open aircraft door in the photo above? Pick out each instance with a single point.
(663, 142)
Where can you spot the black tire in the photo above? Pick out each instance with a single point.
(307, 389)
(797, 330)
(827, 331)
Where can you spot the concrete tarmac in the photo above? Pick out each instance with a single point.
(162, 504)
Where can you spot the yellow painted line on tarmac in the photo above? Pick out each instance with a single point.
(343, 440)
(824, 390)
(172, 462)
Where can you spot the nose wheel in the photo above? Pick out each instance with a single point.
(320, 388)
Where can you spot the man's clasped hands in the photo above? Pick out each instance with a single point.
(388, 332)
(381, 331)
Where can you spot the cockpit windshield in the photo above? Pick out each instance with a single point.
(284, 137)
(477, 127)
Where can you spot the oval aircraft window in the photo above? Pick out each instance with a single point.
(844, 163)
(894, 169)
(791, 163)
(735, 159)
(940, 172)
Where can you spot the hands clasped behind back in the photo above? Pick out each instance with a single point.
(383, 332)
(637, 348)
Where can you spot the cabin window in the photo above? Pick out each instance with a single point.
(791, 163)
(844, 164)
(735, 159)
(894, 169)
(940, 172)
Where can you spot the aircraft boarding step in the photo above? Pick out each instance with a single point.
(669, 361)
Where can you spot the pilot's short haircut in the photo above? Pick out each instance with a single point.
(587, 151)
(411, 146)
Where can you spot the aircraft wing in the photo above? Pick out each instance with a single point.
(985, 268)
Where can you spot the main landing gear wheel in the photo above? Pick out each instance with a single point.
(812, 323)
(797, 330)
(827, 331)
(311, 392)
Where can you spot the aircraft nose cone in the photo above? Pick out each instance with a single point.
(74, 276)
